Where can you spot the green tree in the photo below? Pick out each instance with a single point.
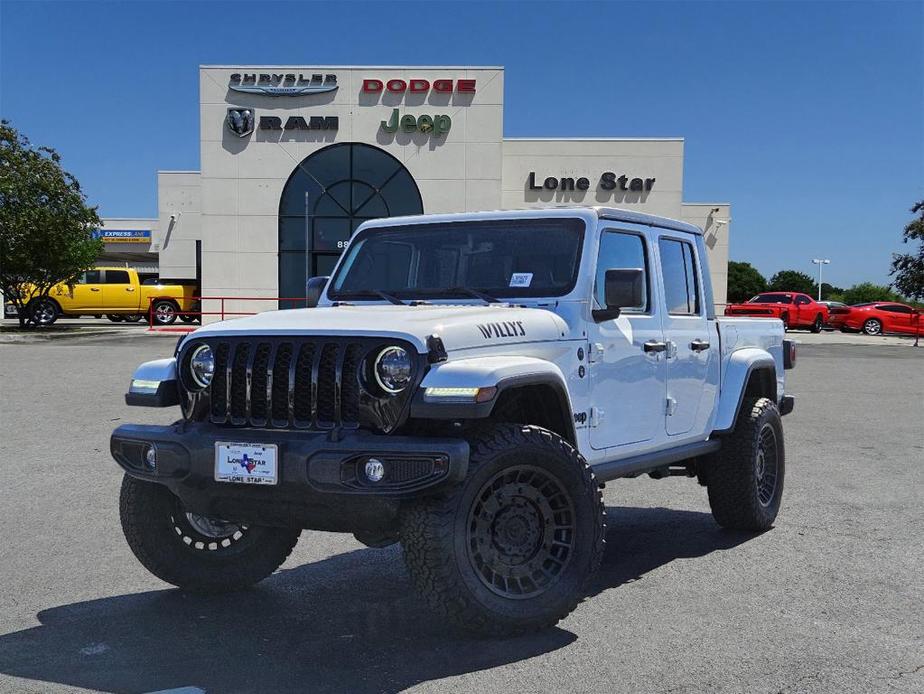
(744, 281)
(793, 281)
(908, 268)
(829, 291)
(866, 292)
(46, 227)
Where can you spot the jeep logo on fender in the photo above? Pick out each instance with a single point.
(504, 329)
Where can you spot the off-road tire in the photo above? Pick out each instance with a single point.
(818, 324)
(735, 475)
(441, 534)
(168, 546)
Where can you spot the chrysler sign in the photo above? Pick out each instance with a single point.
(282, 84)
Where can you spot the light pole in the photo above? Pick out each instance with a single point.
(820, 262)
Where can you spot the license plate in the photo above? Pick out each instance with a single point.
(245, 463)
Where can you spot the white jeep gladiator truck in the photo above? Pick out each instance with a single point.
(464, 385)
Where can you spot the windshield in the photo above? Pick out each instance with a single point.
(771, 299)
(500, 258)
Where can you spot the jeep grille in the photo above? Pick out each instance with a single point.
(301, 383)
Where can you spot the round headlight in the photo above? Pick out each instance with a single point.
(393, 369)
(202, 365)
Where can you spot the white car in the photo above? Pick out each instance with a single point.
(463, 384)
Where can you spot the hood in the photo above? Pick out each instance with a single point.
(459, 326)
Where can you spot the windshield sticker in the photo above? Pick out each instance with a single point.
(505, 329)
(521, 279)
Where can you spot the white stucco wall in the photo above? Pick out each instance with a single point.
(658, 159)
(242, 178)
(714, 218)
(178, 207)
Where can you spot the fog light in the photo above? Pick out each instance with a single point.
(150, 457)
(375, 470)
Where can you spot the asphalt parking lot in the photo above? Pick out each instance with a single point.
(830, 600)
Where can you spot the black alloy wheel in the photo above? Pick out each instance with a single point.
(521, 532)
(44, 311)
(767, 464)
(510, 548)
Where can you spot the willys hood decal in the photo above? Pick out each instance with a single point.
(459, 326)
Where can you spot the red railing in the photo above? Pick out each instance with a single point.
(223, 310)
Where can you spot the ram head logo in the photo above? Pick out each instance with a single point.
(241, 121)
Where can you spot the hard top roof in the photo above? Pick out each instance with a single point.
(609, 213)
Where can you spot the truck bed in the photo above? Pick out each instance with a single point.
(736, 334)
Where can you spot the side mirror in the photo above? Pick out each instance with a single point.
(314, 287)
(622, 288)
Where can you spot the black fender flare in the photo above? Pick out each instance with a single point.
(421, 409)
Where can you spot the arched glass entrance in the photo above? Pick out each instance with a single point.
(327, 196)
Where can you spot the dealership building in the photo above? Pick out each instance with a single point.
(294, 158)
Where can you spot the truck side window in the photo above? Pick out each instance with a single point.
(620, 251)
(681, 286)
(117, 277)
(90, 277)
(802, 300)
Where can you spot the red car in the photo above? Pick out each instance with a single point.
(885, 317)
(837, 313)
(795, 309)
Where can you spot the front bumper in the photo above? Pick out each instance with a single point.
(321, 483)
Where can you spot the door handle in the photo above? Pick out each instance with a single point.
(129, 289)
(655, 346)
(94, 289)
(699, 345)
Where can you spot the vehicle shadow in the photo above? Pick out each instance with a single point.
(348, 623)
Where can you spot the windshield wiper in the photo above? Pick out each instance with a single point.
(474, 293)
(390, 298)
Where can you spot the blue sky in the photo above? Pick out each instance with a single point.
(807, 117)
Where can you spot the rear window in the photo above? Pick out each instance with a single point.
(681, 286)
(771, 299)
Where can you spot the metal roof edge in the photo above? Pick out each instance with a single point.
(352, 67)
(593, 139)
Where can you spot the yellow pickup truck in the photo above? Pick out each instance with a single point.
(120, 294)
